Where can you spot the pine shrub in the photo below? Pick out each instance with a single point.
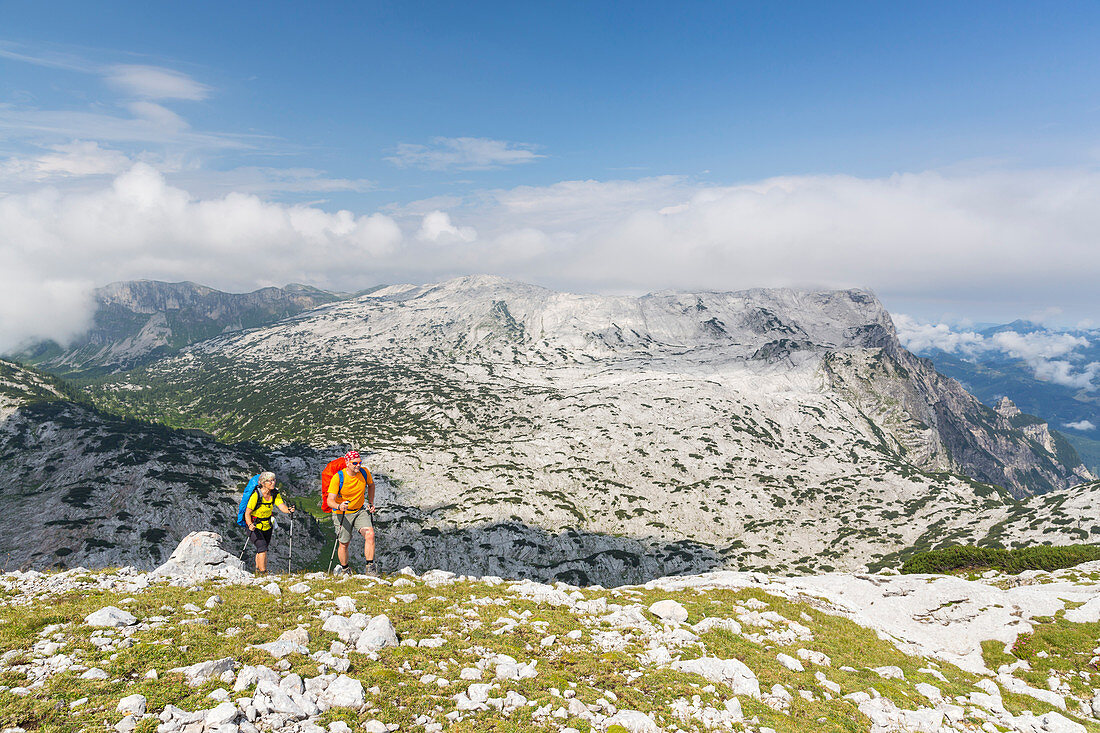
(969, 558)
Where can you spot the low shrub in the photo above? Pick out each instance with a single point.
(969, 558)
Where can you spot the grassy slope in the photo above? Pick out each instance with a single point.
(449, 610)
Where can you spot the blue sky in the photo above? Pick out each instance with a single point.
(944, 155)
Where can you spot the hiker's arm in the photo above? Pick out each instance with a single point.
(370, 495)
(248, 520)
(282, 506)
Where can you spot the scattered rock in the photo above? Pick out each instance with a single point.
(110, 617)
(790, 663)
(634, 721)
(669, 610)
(132, 705)
(730, 672)
(378, 634)
(344, 692)
(197, 674)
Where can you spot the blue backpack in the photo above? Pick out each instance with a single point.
(253, 484)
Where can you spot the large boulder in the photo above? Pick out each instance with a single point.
(201, 556)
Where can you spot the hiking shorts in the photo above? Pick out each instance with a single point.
(351, 522)
(261, 538)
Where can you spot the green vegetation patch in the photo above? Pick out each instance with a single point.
(967, 558)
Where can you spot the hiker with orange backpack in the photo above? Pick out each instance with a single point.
(349, 495)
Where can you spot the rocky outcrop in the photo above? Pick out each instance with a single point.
(202, 556)
(934, 423)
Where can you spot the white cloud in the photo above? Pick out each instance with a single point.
(155, 82)
(73, 160)
(1045, 352)
(923, 337)
(463, 153)
(55, 246)
(158, 115)
(1064, 373)
(437, 227)
(1038, 345)
(1081, 425)
(961, 238)
(144, 128)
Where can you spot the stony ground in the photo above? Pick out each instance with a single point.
(132, 651)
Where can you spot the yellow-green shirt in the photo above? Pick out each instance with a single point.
(261, 509)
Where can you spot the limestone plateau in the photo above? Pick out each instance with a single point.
(524, 432)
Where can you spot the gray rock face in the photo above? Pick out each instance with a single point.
(128, 493)
(201, 556)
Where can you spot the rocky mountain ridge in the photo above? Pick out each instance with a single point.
(139, 320)
(600, 439)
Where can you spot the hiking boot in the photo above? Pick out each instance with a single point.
(342, 570)
(369, 571)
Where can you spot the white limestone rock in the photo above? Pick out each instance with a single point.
(201, 672)
(790, 662)
(634, 721)
(201, 556)
(110, 617)
(889, 673)
(220, 715)
(378, 634)
(669, 610)
(730, 672)
(132, 705)
(282, 648)
(344, 692)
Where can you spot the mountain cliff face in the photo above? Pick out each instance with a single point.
(139, 320)
(78, 487)
(604, 439)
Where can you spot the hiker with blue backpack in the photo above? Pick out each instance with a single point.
(257, 505)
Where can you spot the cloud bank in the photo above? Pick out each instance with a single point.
(965, 238)
(55, 247)
(1051, 356)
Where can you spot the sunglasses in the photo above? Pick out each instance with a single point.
(357, 463)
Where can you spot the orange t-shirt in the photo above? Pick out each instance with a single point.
(355, 487)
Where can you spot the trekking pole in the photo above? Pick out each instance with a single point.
(335, 544)
(241, 556)
(290, 556)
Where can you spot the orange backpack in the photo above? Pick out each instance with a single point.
(333, 467)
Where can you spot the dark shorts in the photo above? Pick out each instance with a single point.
(261, 538)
